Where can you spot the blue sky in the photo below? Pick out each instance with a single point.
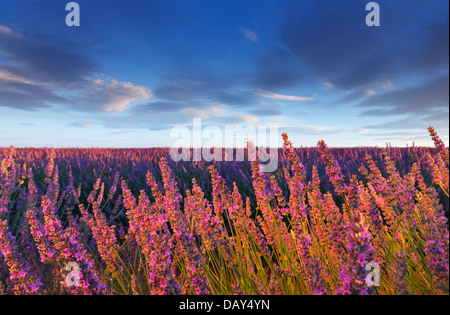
(135, 69)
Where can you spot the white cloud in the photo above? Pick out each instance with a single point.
(328, 84)
(379, 86)
(248, 119)
(27, 83)
(205, 113)
(9, 32)
(250, 35)
(280, 97)
(111, 95)
(9, 77)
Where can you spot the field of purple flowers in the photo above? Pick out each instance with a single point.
(135, 222)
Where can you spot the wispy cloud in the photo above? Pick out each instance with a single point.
(81, 124)
(280, 97)
(9, 77)
(321, 130)
(7, 31)
(248, 119)
(328, 85)
(110, 95)
(205, 113)
(250, 35)
(266, 112)
(415, 99)
(438, 119)
(40, 75)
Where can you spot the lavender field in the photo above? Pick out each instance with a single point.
(118, 221)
